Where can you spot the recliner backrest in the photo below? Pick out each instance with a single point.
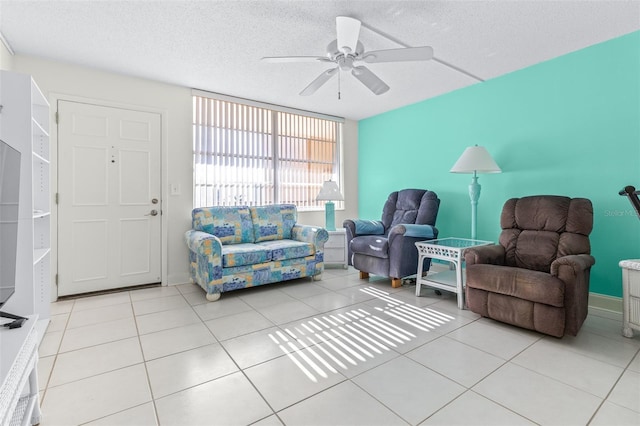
(537, 230)
(417, 206)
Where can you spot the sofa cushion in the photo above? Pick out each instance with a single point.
(232, 225)
(273, 222)
(287, 249)
(244, 254)
(370, 245)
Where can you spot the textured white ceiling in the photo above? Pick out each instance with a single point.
(217, 45)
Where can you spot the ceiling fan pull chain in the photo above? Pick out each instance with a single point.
(339, 84)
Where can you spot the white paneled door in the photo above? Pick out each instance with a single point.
(109, 206)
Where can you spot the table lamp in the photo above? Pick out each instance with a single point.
(475, 159)
(329, 193)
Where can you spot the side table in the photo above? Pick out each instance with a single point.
(19, 364)
(335, 249)
(630, 296)
(451, 250)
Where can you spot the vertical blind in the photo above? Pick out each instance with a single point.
(252, 155)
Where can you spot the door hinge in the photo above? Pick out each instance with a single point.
(57, 118)
(56, 279)
(57, 197)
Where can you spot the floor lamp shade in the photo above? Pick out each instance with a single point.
(329, 193)
(475, 159)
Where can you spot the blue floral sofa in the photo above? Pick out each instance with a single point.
(237, 247)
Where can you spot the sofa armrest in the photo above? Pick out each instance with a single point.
(577, 263)
(493, 255)
(310, 234)
(204, 244)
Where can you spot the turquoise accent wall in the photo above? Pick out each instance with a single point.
(569, 126)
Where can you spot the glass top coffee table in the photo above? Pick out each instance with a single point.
(451, 250)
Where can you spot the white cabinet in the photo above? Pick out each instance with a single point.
(24, 124)
(630, 296)
(335, 249)
(18, 366)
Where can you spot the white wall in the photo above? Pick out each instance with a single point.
(6, 59)
(60, 79)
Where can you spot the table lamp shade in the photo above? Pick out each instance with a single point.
(329, 193)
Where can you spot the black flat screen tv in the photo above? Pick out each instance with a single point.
(9, 205)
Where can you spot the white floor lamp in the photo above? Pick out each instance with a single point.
(475, 159)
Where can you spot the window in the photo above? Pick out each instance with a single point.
(248, 154)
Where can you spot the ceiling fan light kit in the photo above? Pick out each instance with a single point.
(346, 52)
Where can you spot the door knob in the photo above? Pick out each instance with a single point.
(152, 213)
(154, 201)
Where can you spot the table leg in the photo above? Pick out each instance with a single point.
(419, 275)
(459, 287)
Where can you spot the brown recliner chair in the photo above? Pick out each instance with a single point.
(538, 276)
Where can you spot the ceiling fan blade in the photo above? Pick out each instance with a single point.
(348, 32)
(277, 59)
(319, 81)
(423, 53)
(370, 80)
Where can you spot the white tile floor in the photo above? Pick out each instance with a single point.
(341, 351)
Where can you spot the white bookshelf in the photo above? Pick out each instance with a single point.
(24, 124)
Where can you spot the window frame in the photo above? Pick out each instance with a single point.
(275, 137)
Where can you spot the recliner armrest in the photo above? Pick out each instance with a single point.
(364, 227)
(493, 255)
(427, 232)
(578, 262)
(310, 234)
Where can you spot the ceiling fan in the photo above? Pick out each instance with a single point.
(347, 52)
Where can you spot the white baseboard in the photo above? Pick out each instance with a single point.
(176, 279)
(605, 306)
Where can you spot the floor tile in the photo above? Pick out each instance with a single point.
(282, 313)
(96, 396)
(45, 366)
(615, 351)
(98, 315)
(344, 404)
(50, 344)
(290, 379)
(236, 325)
(196, 298)
(457, 361)
(327, 301)
(142, 415)
(189, 288)
(230, 400)
(300, 290)
(495, 338)
(174, 340)
(180, 371)
(568, 367)
(261, 297)
(165, 320)
(269, 421)
(393, 384)
(471, 409)
(609, 328)
(94, 360)
(58, 322)
(153, 293)
(253, 348)
(537, 397)
(97, 334)
(626, 393)
(611, 414)
(93, 302)
(62, 306)
(222, 308)
(635, 364)
(149, 306)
